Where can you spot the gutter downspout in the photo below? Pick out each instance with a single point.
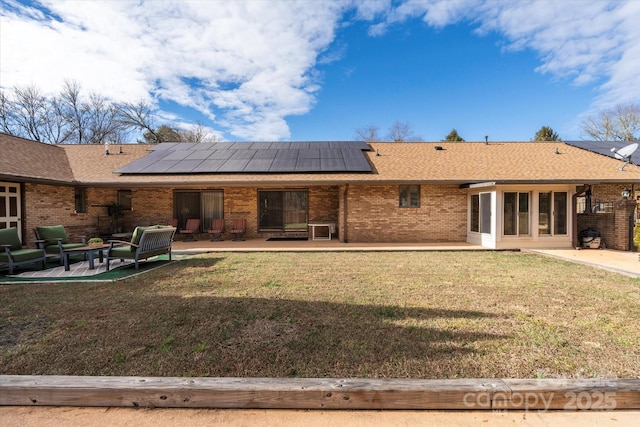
(574, 213)
(344, 214)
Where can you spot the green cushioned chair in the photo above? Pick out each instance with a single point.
(13, 253)
(54, 240)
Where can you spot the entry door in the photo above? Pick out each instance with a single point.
(10, 209)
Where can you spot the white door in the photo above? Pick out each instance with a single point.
(10, 209)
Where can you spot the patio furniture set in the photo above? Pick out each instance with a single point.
(53, 241)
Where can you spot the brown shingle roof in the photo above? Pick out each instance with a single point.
(463, 162)
(32, 160)
(457, 162)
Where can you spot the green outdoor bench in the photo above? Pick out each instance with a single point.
(145, 243)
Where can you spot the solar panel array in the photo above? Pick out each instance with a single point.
(604, 148)
(252, 157)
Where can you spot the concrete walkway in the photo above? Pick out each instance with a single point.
(125, 417)
(626, 263)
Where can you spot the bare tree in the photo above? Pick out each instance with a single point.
(139, 116)
(620, 123)
(65, 118)
(29, 111)
(198, 133)
(74, 111)
(401, 132)
(5, 112)
(368, 134)
(71, 117)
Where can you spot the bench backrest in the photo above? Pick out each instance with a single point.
(156, 238)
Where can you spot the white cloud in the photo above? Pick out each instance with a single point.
(245, 64)
(248, 65)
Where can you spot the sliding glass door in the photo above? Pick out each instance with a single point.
(283, 210)
(203, 205)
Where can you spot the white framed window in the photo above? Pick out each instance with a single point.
(481, 213)
(553, 213)
(516, 214)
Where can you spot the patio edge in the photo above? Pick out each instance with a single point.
(320, 393)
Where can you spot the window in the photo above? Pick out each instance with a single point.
(552, 213)
(485, 213)
(80, 197)
(409, 196)
(481, 213)
(516, 214)
(475, 212)
(124, 199)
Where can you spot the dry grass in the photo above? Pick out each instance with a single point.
(408, 314)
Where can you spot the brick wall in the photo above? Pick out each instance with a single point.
(615, 225)
(52, 205)
(373, 215)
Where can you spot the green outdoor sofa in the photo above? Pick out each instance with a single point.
(54, 240)
(145, 243)
(14, 254)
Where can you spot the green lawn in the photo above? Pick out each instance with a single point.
(366, 314)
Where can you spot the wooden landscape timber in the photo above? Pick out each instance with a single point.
(320, 393)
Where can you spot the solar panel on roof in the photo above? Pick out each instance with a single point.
(234, 165)
(602, 147)
(209, 165)
(332, 165)
(220, 154)
(253, 157)
(287, 154)
(258, 165)
(283, 165)
(184, 166)
(198, 154)
(177, 155)
(265, 154)
(160, 166)
(244, 154)
(308, 165)
(309, 153)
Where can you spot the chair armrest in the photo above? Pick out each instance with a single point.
(121, 242)
(39, 243)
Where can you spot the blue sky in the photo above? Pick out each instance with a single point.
(319, 70)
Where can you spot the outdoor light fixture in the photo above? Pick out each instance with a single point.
(626, 193)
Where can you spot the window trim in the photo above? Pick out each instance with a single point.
(124, 199)
(80, 199)
(413, 196)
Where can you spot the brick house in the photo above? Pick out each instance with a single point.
(497, 194)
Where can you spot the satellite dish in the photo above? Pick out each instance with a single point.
(625, 153)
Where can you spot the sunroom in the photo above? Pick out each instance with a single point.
(520, 216)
